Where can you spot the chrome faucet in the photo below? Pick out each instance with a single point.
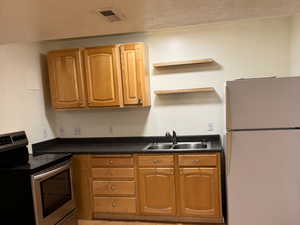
(172, 137)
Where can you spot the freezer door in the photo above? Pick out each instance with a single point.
(263, 103)
(264, 181)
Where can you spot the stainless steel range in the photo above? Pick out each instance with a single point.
(35, 190)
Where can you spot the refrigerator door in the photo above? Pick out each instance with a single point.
(264, 181)
(263, 103)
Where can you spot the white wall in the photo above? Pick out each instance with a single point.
(295, 46)
(22, 98)
(248, 48)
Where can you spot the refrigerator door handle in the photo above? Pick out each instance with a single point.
(228, 151)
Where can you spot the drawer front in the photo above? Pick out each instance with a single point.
(113, 173)
(114, 188)
(198, 160)
(112, 162)
(156, 161)
(115, 205)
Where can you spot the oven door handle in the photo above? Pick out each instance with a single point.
(50, 173)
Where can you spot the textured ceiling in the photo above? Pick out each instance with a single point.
(33, 20)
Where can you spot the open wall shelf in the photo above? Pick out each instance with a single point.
(182, 63)
(182, 91)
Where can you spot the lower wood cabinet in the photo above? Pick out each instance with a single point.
(157, 191)
(199, 192)
(166, 187)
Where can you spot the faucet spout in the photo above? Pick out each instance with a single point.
(174, 138)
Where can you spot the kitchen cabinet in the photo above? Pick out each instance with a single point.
(113, 184)
(150, 187)
(199, 192)
(105, 76)
(82, 187)
(66, 79)
(134, 74)
(157, 191)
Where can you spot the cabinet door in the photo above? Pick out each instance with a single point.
(82, 186)
(157, 191)
(102, 66)
(134, 76)
(199, 192)
(66, 79)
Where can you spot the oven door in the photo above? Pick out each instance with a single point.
(53, 194)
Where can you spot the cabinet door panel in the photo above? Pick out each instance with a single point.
(66, 80)
(134, 75)
(103, 76)
(199, 192)
(157, 191)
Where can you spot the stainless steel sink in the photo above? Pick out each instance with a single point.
(190, 146)
(179, 146)
(159, 146)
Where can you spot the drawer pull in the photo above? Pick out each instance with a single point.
(109, 173)
(156, 161)
(113, 187)
(196, 161)
(110, 162)
(114, 204)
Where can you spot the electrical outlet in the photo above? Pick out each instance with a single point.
(77, 131)
(45, 133)
(61, 131)
(111, 130)
(210, 126)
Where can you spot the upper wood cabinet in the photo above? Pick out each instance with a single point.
(157, 191)
(106, 76)
(134, 74)
(66, 79)
(199, 192)
(103, 75)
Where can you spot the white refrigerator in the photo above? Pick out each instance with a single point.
(263, 151)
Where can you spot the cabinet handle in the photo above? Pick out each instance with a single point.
(196, 161)
(110, 162)
(112, 187)
(114, 204)
(156, 161)
(109, 173)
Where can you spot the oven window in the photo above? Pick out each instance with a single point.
(56, 191)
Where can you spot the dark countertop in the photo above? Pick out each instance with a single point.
(120, 145)
(39, 163)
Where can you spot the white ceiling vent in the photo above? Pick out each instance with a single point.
(111, 15)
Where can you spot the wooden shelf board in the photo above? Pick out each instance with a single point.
(182, 63)
(182, 91)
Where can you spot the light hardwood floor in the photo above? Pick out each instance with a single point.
(106, 222)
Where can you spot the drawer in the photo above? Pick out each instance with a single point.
(111, 162)
(112, 173)
(156, 160)
(114, 205)
(114, 187)
(198, 160)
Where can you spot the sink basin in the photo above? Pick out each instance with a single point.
(180, 146)
(159, 146)
(190, 146)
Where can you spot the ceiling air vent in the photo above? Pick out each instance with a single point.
(110, 15)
